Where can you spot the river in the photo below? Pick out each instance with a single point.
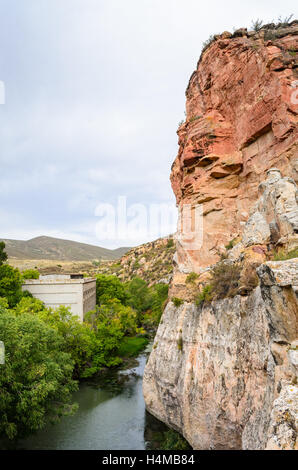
(111, 416)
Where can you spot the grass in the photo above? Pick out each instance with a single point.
(177, 302)
(131, 346)
(282, 255)
(180, 343)
(231, 244)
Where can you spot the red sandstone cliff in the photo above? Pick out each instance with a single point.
(223, 369)
(241, 120)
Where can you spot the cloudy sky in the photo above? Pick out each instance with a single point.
(94, 91)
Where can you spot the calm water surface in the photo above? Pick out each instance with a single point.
(107, 419)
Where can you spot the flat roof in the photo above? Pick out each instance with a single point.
(59, 281)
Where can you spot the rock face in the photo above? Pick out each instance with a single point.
(219, 388)
(223, 374)
(223, 371)
(241, 120)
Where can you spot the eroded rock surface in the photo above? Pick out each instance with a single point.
(241, 120)
(216, 371)
(224, 372)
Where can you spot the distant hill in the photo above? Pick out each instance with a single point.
(58, 249)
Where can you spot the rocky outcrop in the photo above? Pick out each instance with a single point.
(224, 373)
(223, 369)
(151, 261)
(241, 120)
(221, 374)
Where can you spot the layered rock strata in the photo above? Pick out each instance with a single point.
(241, 120)
(223, 371)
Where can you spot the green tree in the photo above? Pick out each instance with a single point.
(36, 380)
(10, 284)
(30, 274)
(111, 322)
(139, 297)
(79, 338)
(109, 288)
(3, 255)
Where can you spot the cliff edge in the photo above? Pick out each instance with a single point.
(223, 369)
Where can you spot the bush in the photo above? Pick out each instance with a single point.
(10, 284)
(231, 244)
(172, 440)
(170, 243)
(3, 255)
(147, 301)
(180, 343)
(205, 295)
(208, 42)
(111, 322)
(36, 379)
(30, 274)
(109, 288)
(256, 25)
(138, 295)
(177, 302)
(192, 277)
(225, 280)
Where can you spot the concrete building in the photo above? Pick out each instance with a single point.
(71, 290)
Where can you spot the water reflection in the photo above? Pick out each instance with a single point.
(111, 416)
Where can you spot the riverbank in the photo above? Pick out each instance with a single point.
(111, 416)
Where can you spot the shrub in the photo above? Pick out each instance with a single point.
(3, 255)
(30, 274)
(136, 265)
(256, 25)
(225, 280)
(231, 244)
(284, 21)
(208, 42)
(177, 302)
(109, 288)
(205, 295)
(170, 243)
(180, 343)
(192, 277)
(172, 440)
(10, 284)
(194, 118)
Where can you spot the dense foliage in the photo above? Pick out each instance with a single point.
(10, 284)
(36, 379)
(109, 288)
(30, 274)
(47, 350)
(3, 255)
